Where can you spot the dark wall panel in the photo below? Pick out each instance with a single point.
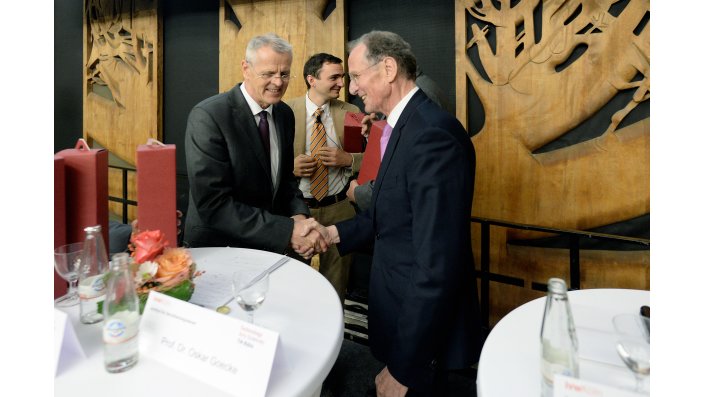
(68, 54)
(428, 26)
(190, 64)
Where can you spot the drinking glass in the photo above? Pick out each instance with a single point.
(249, 293)
(635, 354)
(633, 345)
(67, 261)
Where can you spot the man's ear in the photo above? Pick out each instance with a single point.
(245, 67)
(390, 69)
(310, 79)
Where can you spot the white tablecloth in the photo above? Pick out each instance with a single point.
(301, 305)
(510, 360)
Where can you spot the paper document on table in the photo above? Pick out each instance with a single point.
(214, 287)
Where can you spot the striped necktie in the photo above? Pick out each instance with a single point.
(319, 179)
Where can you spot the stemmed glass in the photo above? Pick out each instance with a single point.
(67, 261)
(633, 346)
(249, 289)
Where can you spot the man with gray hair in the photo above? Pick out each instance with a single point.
(239, 157)
(423, 305)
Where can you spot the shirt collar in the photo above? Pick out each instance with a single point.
(311, 107)
(394, 115)
(254, 106)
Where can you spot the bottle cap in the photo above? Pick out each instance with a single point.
(93, 229)
(557, 286)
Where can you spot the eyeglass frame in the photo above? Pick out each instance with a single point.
(284, 77)
(354, 78)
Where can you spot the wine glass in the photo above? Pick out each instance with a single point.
(636, 355)
(249, 289)
(633, 345)
(67, 261)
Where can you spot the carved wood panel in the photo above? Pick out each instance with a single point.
(122, 82)
(311, 26)
(541, 70)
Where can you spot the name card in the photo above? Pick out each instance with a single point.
(67, 348)
(564, 386)
(231, 355)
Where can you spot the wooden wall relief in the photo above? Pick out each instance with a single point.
(533, 80)
(311, 26)
(122, 79)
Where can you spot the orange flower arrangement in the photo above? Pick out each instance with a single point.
(159, 268)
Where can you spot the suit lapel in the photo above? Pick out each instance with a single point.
(410, 109)
(338, 114)
(242, 117)
(298, 106)
(279, 122)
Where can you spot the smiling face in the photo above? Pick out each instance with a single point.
(367, 81)
(263, 79)
(328, 84)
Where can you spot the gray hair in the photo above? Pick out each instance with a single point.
(382, 44)
(267, 40)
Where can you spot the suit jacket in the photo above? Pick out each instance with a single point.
(232, 201)
(337, 109)
(423, 305)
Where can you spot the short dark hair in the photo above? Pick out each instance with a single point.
(382, 44)
(314, 65)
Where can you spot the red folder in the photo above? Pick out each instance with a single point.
(156, 189)
(372, 159)
(60, 286)
(352, 135)
(86, 191)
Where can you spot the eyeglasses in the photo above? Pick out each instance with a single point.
(268, 76)
(355, 77)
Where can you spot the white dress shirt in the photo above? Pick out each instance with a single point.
(273, 137)
(337, 176)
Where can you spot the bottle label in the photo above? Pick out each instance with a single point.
(120, 327)
(91, 287)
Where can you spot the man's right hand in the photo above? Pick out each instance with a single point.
(307, 239)
(367, 121)
(304, 165)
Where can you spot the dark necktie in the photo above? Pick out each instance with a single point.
(264, 130)
(319, 179)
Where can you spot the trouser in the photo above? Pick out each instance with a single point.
(333, 267)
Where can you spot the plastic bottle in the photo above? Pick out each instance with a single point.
(94, 264)
(122, 316)
(559, 343)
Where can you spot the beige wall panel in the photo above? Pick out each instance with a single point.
(298, 21)
(528, 103)
(122, 77)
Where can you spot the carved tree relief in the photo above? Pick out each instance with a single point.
(122, 81)
(542, 70)
(311, 26)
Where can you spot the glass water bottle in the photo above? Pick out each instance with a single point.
(94, 264)
(559, 343)
(122, 316)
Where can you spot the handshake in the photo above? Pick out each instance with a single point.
(310, 237)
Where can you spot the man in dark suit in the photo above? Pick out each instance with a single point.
(423, 306)
(239, 156)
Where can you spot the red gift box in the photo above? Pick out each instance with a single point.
(372, 159)
(60, 286)
(86, 173)
(352, 134)
(156, 189)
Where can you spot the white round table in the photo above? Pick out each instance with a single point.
(301, 306)
(510, 360)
